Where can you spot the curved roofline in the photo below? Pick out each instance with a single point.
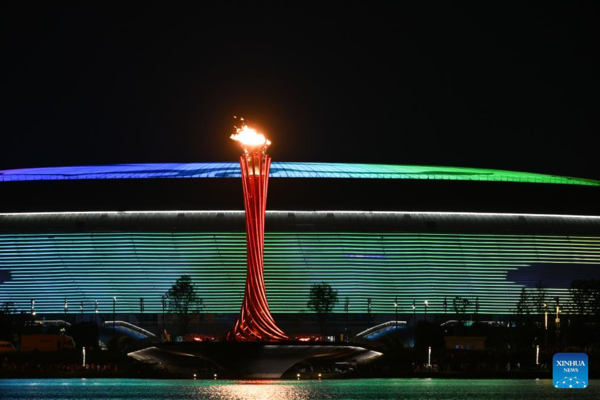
(285, 170)
(285, 212)
(334, 222)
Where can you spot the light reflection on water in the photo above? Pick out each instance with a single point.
(259, 390)
(450, 389)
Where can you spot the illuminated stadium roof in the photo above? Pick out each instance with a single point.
(284, 170)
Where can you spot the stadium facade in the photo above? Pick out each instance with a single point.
(379, 232)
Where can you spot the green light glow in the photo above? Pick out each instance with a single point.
(386, 171)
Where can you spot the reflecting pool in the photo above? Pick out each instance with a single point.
(284, 390)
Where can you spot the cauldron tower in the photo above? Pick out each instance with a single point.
(255, 322)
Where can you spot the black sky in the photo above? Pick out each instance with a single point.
(496, 86)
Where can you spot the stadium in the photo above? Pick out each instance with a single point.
(74, 238)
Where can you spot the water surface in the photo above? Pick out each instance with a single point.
(287, 390)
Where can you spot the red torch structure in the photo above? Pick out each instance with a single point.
(255, 322)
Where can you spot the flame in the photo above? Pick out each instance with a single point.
(250, 137)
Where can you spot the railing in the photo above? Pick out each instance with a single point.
(131, 327)
(52, 322)
(380, 327)
(471, 322)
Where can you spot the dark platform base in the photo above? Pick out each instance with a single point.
(252, 360)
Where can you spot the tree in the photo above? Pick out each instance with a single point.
(84, 334)
(8, 307)
(142, 308)
(579, 296)
(585, 303)
(460, 306)
(183, 299)
(347, 310)
(12, 322)
(523, 307)
(539, 297)
(585, 296)
(322, 299)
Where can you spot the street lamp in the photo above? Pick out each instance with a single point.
(164, 305)
(557, 321)
(396, 319)
(114, 314)
(66, 308)
(414, 306)
(96, 310)
(429, 358)
(545, 325)
(81, 309)
(32, 307)
(426, 305)
(347, 309)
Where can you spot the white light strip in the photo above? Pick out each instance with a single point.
(121, 212)
(236, 212)
(457, 213)
(379, 327)
(129, 326)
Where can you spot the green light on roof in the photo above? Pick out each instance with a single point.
(386, 171)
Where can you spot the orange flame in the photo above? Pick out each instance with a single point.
(250, 137)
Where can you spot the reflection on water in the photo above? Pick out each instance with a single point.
(287, 390)
(258, 390)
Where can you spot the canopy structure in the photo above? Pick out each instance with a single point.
(284, 170)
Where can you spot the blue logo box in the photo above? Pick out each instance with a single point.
(570, 370)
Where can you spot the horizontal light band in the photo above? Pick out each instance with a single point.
(275, 212)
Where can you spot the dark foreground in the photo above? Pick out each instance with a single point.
(291, 389)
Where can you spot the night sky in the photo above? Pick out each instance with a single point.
(506, 86)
